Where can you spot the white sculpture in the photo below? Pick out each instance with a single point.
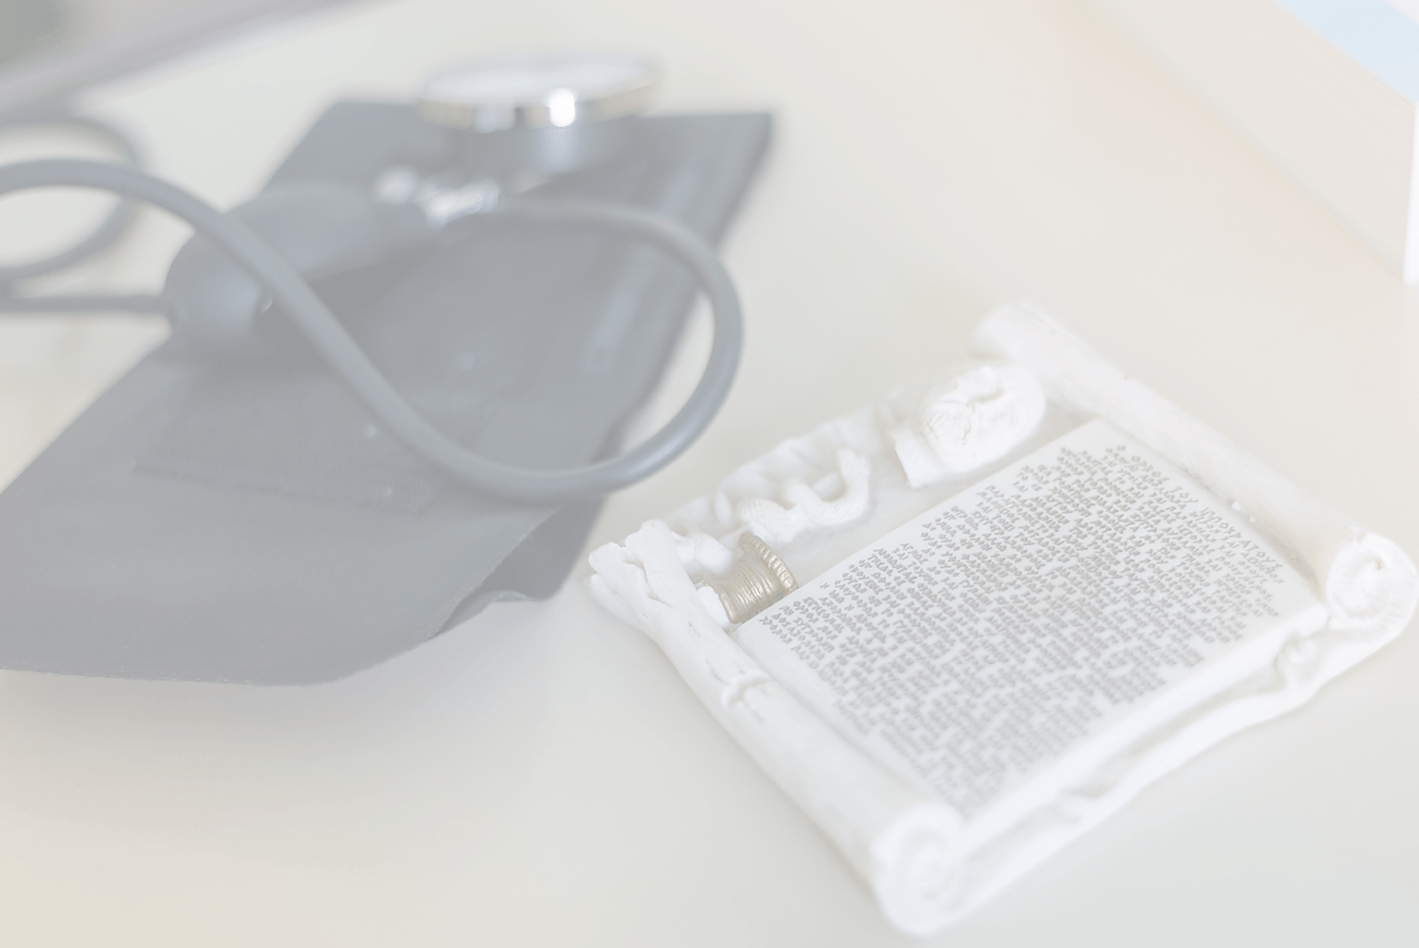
(807, 510)
(926, 865)
(969, 420)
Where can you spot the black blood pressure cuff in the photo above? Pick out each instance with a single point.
(250, 521)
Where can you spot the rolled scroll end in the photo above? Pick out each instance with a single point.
(610, 601)
(714, 605)
(1371, 588)
(917, 869)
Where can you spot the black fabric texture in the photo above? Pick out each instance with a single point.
(250, 522)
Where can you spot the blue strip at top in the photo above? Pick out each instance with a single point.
(1371, 32)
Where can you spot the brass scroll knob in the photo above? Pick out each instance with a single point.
(757, 581)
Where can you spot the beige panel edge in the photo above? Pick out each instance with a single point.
(1411, 243)
(1342, 134)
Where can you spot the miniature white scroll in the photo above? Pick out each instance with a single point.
(949, 749)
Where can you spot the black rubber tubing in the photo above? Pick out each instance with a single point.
(314, 319)
(108, 231)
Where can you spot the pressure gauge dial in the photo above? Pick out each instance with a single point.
(550, 91)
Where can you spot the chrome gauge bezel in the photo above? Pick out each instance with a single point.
(542, 91)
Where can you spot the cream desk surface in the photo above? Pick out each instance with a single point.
(540, 775)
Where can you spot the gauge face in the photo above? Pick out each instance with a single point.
(539, 91)
(529, 81)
